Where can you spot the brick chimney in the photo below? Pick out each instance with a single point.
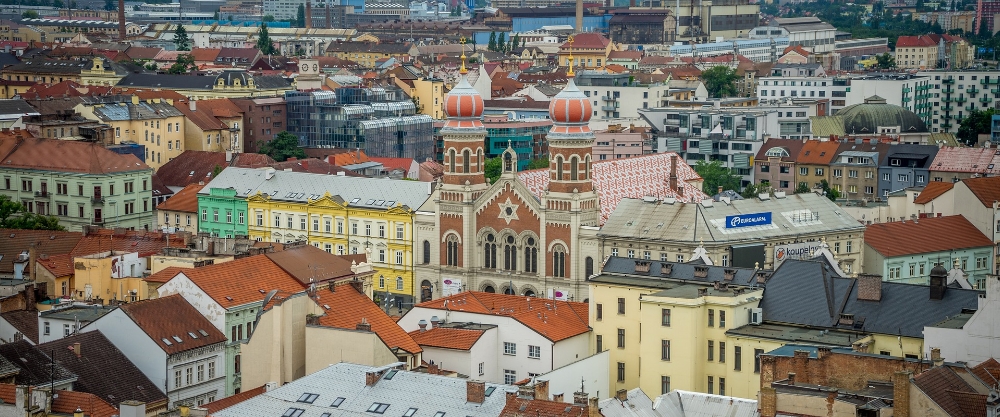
(121, 20)
(936, 358)
(371, 377)
(621, 395)
(593, 410)
(869, 287)
(557, 397)
(475, 391)
(580, 398)
(673, 172)
(541, 390)
(791, 378)
(768, 402)
(308, 16)
(364, 325)
(358, 285)
(901, 393)
(76, 349)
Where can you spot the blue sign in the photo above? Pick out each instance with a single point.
(747, 220)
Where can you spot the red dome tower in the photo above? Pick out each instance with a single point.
(464, 134)
(570, 139)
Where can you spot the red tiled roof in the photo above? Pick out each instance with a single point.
(48, 242)
(58, 265)
(25, 322)
(932, 234)
(395, 163)
(313, 165)
(933, 190)
(986, 189)
(817, 152)
(140, 53)
(145, 243)
(205, 54)
(66, 88)
(587, 41)
(920, 41)
(234, 399)
(941, 384)
(561, 322)
(171, 317)
(348, 307)
(191, 167)
(356, 156)
(67, 402)
(971, 160)
(448, 338)
(242, 281)
(520, 407)
(988, 372)
(145, 94)
(797, 49)
(165, 274)
(185, 200)
(636, 177)
(66, 156)
(793, 146)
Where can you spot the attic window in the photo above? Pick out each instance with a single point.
(390, 203)
(378, 408)
(166, 342)
(307, 398)
(409, 413)
(355, 200)
(324, 415)
(203, 333)
(390, 374)
(489, 391)
(337, 402)
(370, 202)
(178, 339)
(439, 414)
(193, 336)
(293, 412)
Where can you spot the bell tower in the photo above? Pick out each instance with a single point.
(464, 135)
(570, 140)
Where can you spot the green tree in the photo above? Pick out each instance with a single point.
(538, 163)
(14, 216)
(492, 169)
(885, 61)
(493, 42)
(181, 39)
(802, 188)
(828, 191)
(29, 14)
(285, 145)
(720, 81)
(184, 65)
(715, 175)
(301, 16)
(502, 43)
(978, 121)
(268, 18)
(752, 190)
(264, 43)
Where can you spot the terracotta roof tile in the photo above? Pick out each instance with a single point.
(314, 166)
(51, 243)
(171, 317)
(308, 263)
(69, 157)
(933, 190)
(561, 322)
(191, 167)
(232, 400)
(817, 152)
(920, 41)
(165, 275)
(986, 189)
(442, 337)
(970, 160)
(67, 402)
(395, 163)
(940, 384)
(24, 321)
(58, 265)
(636, 177)
(971, 403)
(932, 234)
(205, 54)
(145, 243)
(793, 146)
(587, 41)
(348, 158)
(348, 307)
(185, 200)
(520, 407)
(242, 281)
(988, 372)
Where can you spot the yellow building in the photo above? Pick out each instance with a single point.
(231, 83)
(429, 95)
(211, 125)
(366, 53)
(153, 123)
(589, 50)
(90, 71)
(339, 214)
(10, 31)
(108, 276)
(916, 52)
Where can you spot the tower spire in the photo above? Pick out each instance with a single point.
(463, 70)
(569, 40)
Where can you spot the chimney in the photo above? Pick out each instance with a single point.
(729, 274)
(642, 266)
(526, 392)
(939, 282)
(422, 324)
(936, 358)
(329, 18)
(21, 399)
(192, 104)
(901, 393)
(580, 398)
(371, 377)
(309, 17)
(184, 409)
(364, 325)
(869, 287)
(621, 395)
(666, 268)
(435, 321)
(593, 410)
(579, 16)
(475, 391)
(791, 378)
(78, 412)
(121, 20)
(133, 409)
(702, 292)
(76, 349)
(541, 390)
(557, 397)
(358, 285)
(673, 172)
(822, 352)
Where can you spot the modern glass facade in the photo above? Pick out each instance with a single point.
(380, 121)
(528, 139)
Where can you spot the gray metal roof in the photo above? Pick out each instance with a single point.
(128, 111)
(808, 292)
(300, 187)
(429, 394)
(795, 214)
(619, 270)
(16, 107)
(87, 313)
(695, 404)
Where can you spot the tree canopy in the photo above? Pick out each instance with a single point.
(285, 145)
(264, 43)
(715, 175)
(978, 121)
(720, 81)
(885, 61)
(185, 64)
(493, 168)
(14, 216)
(181, 39)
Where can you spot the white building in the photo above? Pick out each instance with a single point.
(613, 97)
(289, 9)
(532, 336)
(955, 94)
(815, 35)
(971, 337)
(58, 323)
(803, 81)
(766, 49)
(172, 344)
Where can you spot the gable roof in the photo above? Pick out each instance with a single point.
(165, 274)
(448, 338)
(185, 200)
(970, 160)
(66, 402)
(58, 265)
(313, 166)
(242, 281)
(167, 319)
(988, 371)
(103, 370)
(519, 407)
(234, 399)
(307, 263)
(951, 392)
(636, 177)
(143, 242)
(920, 41)
(24, 321)
(817, 152)
(793, 146)
(348, 307)
(931, 234)
(586, 41)
(35, 367)
(933, 190)
(565, 320)
(191, 167)
(986, 189)
(47, 242)
(66, 156)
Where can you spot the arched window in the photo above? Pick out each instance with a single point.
(530, 256)
(479, 161)
(381, 281)
(588, 266)
(559, 168)
(427, 252)
(586, 168)
(574, 168)
(399, 283)
(489, 289)
(509, 254)
(466, 161)
(559, 261)
(452, 250)
(490, 252)
(451, 161)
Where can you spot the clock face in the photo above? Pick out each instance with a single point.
(315, 68)
(305, 67)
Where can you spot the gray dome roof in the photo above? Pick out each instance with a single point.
(865, 118)
(939, 271)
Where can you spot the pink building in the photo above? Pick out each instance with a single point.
(622, 142)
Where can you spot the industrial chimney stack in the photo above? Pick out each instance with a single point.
(309, 17)
(121, 20)
(579, 16)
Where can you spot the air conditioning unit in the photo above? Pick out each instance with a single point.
(756, 315)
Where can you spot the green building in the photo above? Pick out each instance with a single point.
(80, 183)
(223, 211)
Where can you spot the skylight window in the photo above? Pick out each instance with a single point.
(409, 413)
(293, 412)
(390, 374)
(178, 339)
(193, 336)
(166, 341)
(489, 391)
(337, 402)
(324, 415)
(355, 200)
(203, 333)
(378, 408)
(439, 414)
(308, 398)
(370, 202)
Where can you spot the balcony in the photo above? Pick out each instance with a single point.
(985, 99)
(947, 99)
(947, 108)
(97, 200)
(961, 99)
(995, 90)
(988, 81)
(946, 125)
(948, 90)
(970, 107)
(42, 194)
(948, 81)
(609, 108)
(907, 99)
(609, 99)
(972, 89)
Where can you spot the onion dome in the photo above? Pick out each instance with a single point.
(463, 101)
(570, 105)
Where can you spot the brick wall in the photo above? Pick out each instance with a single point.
(841, 370)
